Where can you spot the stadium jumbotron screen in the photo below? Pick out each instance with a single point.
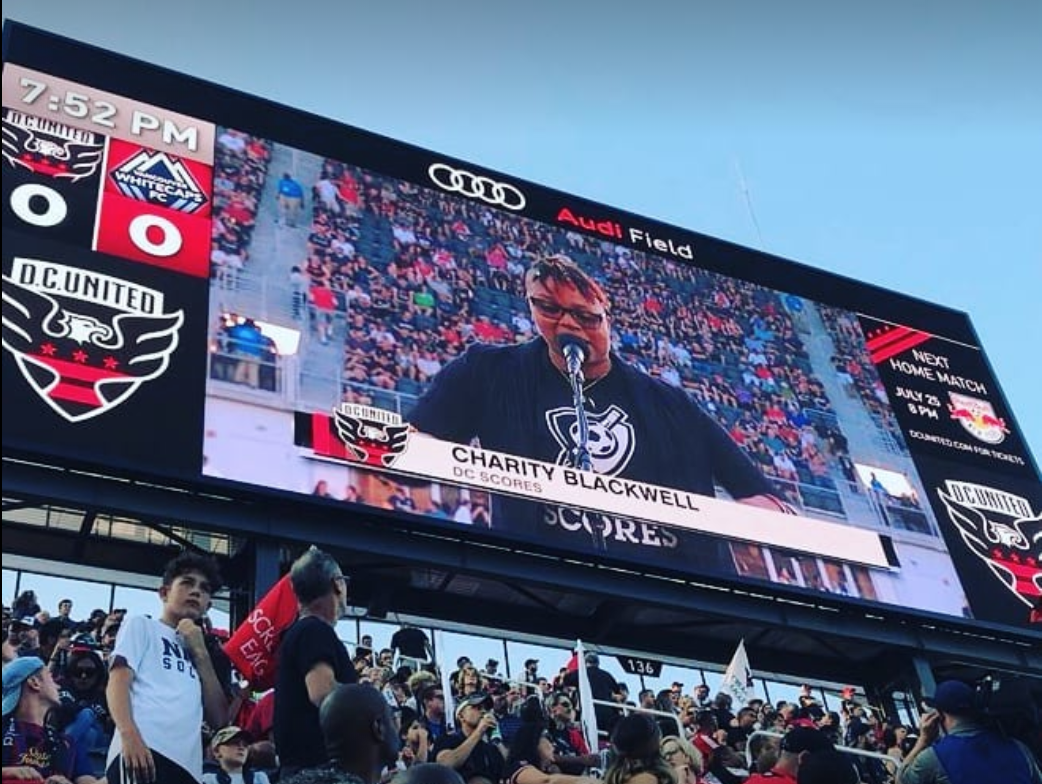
(230, 292)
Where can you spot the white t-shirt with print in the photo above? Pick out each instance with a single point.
(166, 698)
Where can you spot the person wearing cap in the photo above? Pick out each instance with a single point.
(360, 736)
(954, 745)
(162, 683)
(473, 749)
(230, 747)
(25, 636)
(312, 660)
(31, 749)
(531, 670)
(796, 745)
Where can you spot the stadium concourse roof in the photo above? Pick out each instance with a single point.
(106, 522)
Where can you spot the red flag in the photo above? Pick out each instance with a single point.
(254, 646)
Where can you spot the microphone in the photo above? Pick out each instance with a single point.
(575, 351)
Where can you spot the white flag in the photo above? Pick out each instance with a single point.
(589, 715)
(446, 685)
(738, 679)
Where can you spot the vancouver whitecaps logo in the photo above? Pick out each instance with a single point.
(160, 179)
(611, 437)
(1001, 529)
(50, 148)
(85, 342)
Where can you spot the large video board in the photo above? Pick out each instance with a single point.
(204, 286)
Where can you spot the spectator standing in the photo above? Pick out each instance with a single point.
(290, 199)
(162, 682)
(602, 688)
(31, 749)
(312, 661)
(968, 751)
(412, 646)
(64, 616)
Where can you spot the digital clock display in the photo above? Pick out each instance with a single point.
(90, 109)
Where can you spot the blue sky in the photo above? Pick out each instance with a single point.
(895, 143)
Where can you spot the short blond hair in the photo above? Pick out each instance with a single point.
(688, 749)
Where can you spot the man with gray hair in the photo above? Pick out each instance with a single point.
(312, 660)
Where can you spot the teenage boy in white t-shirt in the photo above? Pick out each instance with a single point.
(162, 682)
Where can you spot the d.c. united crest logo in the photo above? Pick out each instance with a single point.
(371, 435)
(1001, 529)
(84, 341)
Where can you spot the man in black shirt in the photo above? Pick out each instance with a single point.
(312, 660)
(475, 749)
(518, 399)
(412, 646)
(603, 687)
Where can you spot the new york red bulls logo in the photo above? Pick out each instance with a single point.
(84, 341)
(1001, 529)
(372, 435)
(978, 418)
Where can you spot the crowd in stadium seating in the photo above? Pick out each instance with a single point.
(855, 371)
(240, 172)
(713, 734)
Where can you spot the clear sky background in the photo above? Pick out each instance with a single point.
(896, 143)
(892, 142)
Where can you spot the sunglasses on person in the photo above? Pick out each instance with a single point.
(555, 312)
(564, 704)
(84, 672)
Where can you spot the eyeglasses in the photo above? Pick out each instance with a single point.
(555, 312)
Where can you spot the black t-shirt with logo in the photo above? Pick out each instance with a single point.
(512, 399)
(485, 758)
(298, 736)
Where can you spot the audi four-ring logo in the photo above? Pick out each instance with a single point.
(476, 186)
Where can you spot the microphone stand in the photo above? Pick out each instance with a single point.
(581, 452)
(581, 457)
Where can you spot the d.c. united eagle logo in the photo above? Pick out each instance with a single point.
(1002, 529)
(84, 341)
(372, 436)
